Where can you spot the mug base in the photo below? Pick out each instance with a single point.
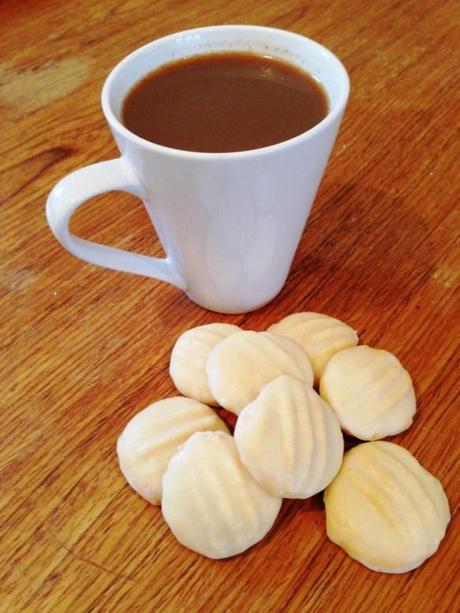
(233, 309)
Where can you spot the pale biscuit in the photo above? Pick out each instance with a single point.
(384, 509)
(370, 392)
(153, 436)
(210, 501)
(239, 366)
(290, 439)
(189, 356)
(319, 335)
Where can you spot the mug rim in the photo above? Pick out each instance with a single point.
(118, 126)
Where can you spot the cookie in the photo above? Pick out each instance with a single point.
(153, 436)
(319, 335)
(189, 356)
(210, 501)
(384, 509)
(370, 392)
(243, 363)
(290, 439)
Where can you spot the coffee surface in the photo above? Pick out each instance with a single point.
(223, 102)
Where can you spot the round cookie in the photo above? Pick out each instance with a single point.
(210, 501)
(370, 392)
(290, 439)
(319, 335)
(189, 356)
(153, 436)
(239, 366)
(384, 509)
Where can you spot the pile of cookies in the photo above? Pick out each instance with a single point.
(220, 494)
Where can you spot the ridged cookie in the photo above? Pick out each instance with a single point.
(290, 439)
(239, 366)
(210, 501)
(384, 509)
(319, 335)
(153, 436)
(370, 392)
(189, 356)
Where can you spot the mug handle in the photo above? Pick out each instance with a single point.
(81, 185)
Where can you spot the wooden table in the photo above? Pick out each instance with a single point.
(84, 348)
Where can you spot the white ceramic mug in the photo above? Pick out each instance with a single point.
(229, 222)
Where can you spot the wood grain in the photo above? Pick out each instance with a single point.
(84, 348)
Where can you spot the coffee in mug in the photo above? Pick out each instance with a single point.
(222, 102)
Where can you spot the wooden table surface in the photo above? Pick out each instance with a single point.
(84, 348)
